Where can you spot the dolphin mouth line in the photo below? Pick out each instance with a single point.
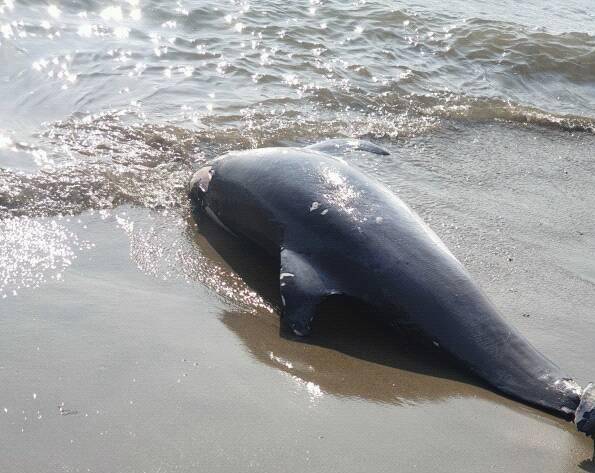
(217, 220)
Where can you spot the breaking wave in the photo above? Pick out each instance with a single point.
(106, 160)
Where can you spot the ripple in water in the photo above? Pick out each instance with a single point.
(162, 246)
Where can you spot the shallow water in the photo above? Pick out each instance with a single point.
(129, 341)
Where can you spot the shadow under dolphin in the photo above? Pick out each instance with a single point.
(349, 354)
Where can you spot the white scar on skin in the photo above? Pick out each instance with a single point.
(315, 205)
(286, 275)
(587, 404)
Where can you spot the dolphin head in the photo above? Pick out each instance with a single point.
(199, 184)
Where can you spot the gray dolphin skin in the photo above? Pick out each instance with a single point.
(338, 231)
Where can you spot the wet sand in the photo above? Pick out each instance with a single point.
(132, 341)
(123, 365)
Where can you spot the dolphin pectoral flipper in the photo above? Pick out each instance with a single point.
(340, 145)
(302, 289)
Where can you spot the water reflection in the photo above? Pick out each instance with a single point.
(348, 355)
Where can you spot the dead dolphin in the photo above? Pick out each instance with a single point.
(337, 231)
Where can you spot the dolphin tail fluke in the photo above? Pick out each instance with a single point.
(584, 418)
(339, 145)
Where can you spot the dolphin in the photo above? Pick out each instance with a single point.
(337, 231)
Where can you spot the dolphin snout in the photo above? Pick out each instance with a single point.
(199, 184)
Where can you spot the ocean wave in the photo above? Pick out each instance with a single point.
(482, 109)
(512, 49)
(115, 158)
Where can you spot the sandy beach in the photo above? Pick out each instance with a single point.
(132, 362)
(133, 340)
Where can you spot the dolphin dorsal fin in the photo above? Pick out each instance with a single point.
(340, 145)
(303, 287)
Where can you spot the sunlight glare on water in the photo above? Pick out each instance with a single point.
(105, 104)
(34, 251)
(107, 280)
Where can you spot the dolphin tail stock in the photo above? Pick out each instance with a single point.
(347, 144)
(584, 417)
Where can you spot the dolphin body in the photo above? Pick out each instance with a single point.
(337, 231)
